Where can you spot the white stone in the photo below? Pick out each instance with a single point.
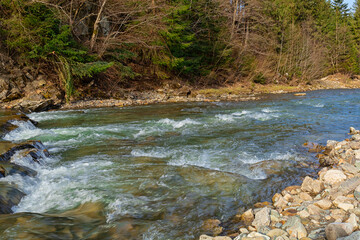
(334, 176)
(262, 218)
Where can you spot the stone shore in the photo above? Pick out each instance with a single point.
(324, 208)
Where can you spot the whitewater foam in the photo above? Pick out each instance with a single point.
(25, 130)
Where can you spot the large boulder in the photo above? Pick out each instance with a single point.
(9, 196)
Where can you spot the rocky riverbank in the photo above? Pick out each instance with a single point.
(21, 89)
(324, 208)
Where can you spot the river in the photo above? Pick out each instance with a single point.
(160, 170)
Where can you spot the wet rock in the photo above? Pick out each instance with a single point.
(8, 149)
(248, 217)
(353, 236)
(336, 230)
(7, 169)
(211, 226)
(334, 176)
(262, 218)
(9, 196)
(295, 228)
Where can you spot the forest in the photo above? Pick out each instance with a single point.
(140, 44)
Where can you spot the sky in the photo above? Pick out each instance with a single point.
(350, 3)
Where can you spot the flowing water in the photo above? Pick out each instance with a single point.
(160, 170)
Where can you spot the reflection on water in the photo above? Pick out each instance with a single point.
(156, 172)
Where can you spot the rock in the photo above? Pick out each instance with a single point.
(248, 217)
(324, 204)
(349, 168)
(305, 196)
(356, 137)
(341, 199)
(4, 83)
(281, 203)
(353, 220)
(206, 237)
(346, 206)
(312, 186)
(293, 189)
(37, 106)
(317, 234)
(314, 210)
(7, 169)
(276, 233)
(258, 235)
(354, 145)
(13, 94)
(9, 196)
(211, 226)
(353, 131)
(295, 228)
(263, 230)
(262, 218)
(222, 238)
(300, 94)
(334, 176)
(357, 193)
(336, 230)
(304, 214)
(353, 236)
(243, 230)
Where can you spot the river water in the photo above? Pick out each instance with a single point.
(160, 170)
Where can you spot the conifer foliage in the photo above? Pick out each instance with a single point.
(207, 41)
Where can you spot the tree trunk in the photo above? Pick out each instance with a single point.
(96, 26)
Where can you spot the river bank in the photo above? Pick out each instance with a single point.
(39, 96)
(324, 208)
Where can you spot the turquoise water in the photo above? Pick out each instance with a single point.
(163, 169)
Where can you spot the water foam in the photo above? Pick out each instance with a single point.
(60, 188)
(178, 124)
(25, 130)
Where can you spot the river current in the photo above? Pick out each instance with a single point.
(159, 171)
